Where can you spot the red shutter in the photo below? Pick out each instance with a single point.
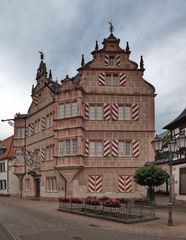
(122, 79)
(135, 112)
(118, 60)
(124, 183)
(86, 147)
(95, 183)
(102, 78)
(106, 60)
(106, 111)
(115, 111)
(135, 150)
(87, 111)
(115, 148)
(106, 148)
(42, 154)
(43, 123)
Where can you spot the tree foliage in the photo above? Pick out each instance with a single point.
(150, 175)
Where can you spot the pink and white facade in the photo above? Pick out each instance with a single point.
(88, 135)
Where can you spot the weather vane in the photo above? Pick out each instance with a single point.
(111, 27)
(41, 54)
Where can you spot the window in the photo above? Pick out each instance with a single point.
(67, 110)
(27, 184)
(37, 126)
(68, 147)
(2, 184)
(49, 152)
(111, 60)
(96, 112)
(2, 167)
(124, 148)
(49, 120)
(96, 149)
(51, 184)
(20, 133)
(182, 181)
(37, 157)
(124, 112)
(112, 79)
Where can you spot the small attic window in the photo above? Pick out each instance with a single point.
(111, 45)
(2, 150)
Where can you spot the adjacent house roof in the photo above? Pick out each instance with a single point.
(176, 122)
(7, 145)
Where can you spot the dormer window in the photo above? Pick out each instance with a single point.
(112, 79)
(111, 61)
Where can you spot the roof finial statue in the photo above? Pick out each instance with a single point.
(141, 63)
(82, 61)
(111, 27)
(50, 75)
(41, 55)
(96, 47)
(127, 48)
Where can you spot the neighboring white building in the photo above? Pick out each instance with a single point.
(9, 184)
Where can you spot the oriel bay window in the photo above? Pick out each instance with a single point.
(124, 112)
(67, 147)
(96, 112)
(95, 148)
(112, 79)
(124, 148)
(67, 110)
(19, 133)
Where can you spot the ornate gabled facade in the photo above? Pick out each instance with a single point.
(88, 135)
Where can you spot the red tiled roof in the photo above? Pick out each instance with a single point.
(8, 144)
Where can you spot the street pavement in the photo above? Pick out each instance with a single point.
(22, 219)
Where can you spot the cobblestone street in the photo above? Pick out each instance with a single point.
(40, 220)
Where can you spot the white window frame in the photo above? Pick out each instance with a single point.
(68, 109)
(51, 184)
(126, 152)
(94, 150)
(124, 112)
(112, 79)
(19, 132)
(67, 147)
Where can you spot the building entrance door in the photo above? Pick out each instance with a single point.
(37, 188)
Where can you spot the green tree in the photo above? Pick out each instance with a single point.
(150, 176)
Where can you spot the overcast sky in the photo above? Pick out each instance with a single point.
(65, 29)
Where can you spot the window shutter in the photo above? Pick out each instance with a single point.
(95, 183)
(115, 111)
(86, 147)
(122, 78)
(42, 154)
(86, 111)
(135, 112)
(35, 99)
(106, 148)
(124, 183)
(118, 61)
(43, 123)
(31, 129)
(115, 144)
(102, 78)
(135, 148)
(106, 111)
(106, 59)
